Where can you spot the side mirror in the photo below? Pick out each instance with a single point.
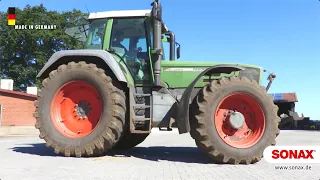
(178, 52)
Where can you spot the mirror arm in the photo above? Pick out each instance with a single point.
(178, 50)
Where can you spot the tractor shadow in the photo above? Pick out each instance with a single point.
(39, 149)
(163, 153)
(153, 153)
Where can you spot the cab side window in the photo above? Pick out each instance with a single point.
(96, 34)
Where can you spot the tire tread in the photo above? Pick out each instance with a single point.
(111, 133)
(197, 121)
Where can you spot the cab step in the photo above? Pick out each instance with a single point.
(140, 112)
(142, 95)
(141, 106)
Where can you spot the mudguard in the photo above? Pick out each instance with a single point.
(103, 55)
(182, 118)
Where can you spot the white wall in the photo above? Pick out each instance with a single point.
(32, 90)
(6, 84)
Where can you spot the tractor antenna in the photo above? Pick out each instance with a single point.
(87, 9)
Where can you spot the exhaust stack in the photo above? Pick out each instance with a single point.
(157, 51)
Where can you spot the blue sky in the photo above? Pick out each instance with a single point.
(282, 36)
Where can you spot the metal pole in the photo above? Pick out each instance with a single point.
(157, 19)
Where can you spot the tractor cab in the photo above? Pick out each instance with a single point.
(131, 37)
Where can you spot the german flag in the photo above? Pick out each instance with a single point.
(11, 16)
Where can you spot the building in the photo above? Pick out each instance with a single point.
(16, 108)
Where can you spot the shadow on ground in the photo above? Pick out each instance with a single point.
(155, 153)
(34, 149)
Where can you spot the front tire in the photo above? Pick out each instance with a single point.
(80, 110)
(239, 137)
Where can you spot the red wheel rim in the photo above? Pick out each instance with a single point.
(253, 125)
(76, 109)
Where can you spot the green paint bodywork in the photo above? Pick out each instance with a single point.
(182, 79)
(107, 35)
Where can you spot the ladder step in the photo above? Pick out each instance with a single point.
(141, 106)
(141, 132)
(142, 95)
(141, 119)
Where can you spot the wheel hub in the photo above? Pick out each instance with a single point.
(83, 109)
(72, 111)
(236, 120)
(240, 120)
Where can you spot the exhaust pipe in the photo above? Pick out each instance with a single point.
(157, 51)
(172, 45)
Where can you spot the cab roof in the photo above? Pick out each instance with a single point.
(122, 13)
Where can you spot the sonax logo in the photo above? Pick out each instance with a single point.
(292, 154)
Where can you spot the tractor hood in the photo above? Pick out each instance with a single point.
(179, 74)
(201, 64)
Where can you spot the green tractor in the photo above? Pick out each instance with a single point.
(112, 93)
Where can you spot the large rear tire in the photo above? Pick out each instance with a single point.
(80, 110)
(238, 136)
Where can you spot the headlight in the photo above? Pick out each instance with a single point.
(251, 73)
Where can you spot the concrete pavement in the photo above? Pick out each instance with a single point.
(163, 155)
(18, 131)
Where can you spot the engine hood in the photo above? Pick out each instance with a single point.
(179, 74)
(200, 64)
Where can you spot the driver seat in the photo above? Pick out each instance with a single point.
(135, 64)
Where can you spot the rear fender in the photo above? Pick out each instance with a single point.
(99, 56)
(182, 118)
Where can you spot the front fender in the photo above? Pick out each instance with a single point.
(182, 118)
(104, 55)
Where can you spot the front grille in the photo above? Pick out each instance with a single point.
(251, 73)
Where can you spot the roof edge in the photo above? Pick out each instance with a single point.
(119, 13)
(17, 93)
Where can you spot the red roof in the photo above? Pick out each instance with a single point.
(284, 97)
(290, 97)
(5, 91)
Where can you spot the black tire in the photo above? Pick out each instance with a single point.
(203, 128)
(128, 141)
(110, 126)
